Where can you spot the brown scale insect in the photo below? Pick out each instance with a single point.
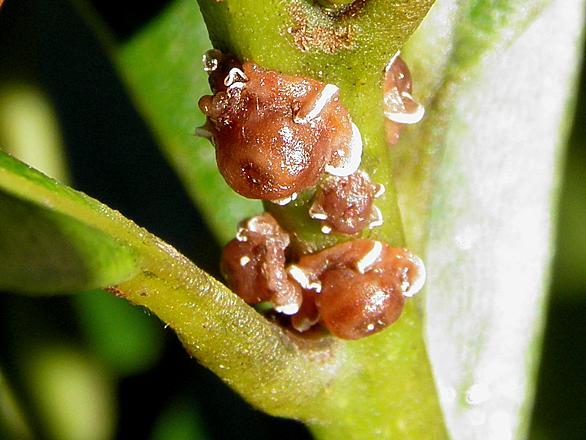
(275, 134)
(359, 286)
(399, 106)
(345, 204)
(354, 289)
(254, 265)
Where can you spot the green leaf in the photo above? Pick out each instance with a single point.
(13, 424)
(65, 381)
(123, 336)
(163, 69)
(179, 420)
(50, 237)
(487, 159)
(27, 122)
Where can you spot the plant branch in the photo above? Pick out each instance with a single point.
(254, 356)
(259, 359)
(383, 387)
(350, 49)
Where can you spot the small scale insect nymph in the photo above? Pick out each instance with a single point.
(399, 105)
(345, 204)
(254, 265)
(360, 286)
(354, 289)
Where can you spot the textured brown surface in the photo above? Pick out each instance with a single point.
(262, 152)
(346, 202)
(360, 296)
(254, 263)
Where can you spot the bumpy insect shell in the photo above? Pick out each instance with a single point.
(269, 143)
(345, 204)
(362, 285)
(254, 265)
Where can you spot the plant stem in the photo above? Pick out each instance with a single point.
(383, 387)
(253, 355)
(260, 360)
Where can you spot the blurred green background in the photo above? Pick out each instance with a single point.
(92, 366)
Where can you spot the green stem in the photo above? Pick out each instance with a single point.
(256, 357)
(349, 48)
(383, 387)
(260, 360)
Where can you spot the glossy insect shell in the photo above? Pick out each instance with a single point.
(399, 106)
(242, 267)
(254, 265)
(362, 285)
(354, 305)
(261, 151)
(345, 203)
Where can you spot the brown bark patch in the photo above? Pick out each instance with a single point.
(321, 32)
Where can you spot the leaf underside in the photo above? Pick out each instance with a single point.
(490, 148)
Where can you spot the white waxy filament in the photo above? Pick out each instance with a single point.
(312, 110)
(370, 258)
(210, 63)
(202, 132)
(285, 200)
(390, 64)
(317, 213)
(379, 191)
(241, 235)
(399, 113)
(288, 309)
(305, 324)
(235, 75)
(348, 163)
(236, 85)
(419, 280)
(378, 219)
(302, 279)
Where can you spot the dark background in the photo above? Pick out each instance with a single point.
(116, 161)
